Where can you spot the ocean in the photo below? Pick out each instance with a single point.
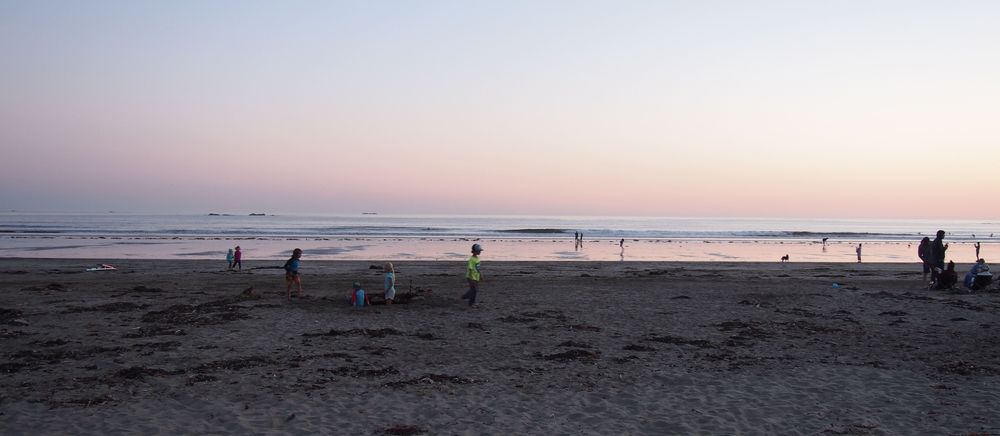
(425, 237)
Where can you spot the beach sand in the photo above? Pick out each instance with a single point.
(169, 347)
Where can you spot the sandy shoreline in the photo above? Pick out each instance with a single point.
(557, 347)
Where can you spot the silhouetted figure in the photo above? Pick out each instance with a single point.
(938, 249)
(977, 250)
(946, 279)
(858, 251)
(924, 253)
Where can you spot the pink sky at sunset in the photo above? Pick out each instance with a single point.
(797, 109)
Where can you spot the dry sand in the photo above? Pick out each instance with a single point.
(168, 347)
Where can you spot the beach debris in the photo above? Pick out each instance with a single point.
(677, 340)
(514, 319)
(574, 344)
(157, 330)
(19, 321)
(404, 430)
(110, 307)
(573, 355)
(354, 371)
(102, 267)
(49, 287)
(432, 379)
(290, 417)
(138, 372)
(9, 315)
(202, 378)
(962, 367)
(373, 333)
(234, 364)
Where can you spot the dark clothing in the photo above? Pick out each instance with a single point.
(471, 293)
(937, 252)
(924, 253)
(937, 258)
(946, 280)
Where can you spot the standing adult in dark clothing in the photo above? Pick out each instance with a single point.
(938, 248)
(924, 253)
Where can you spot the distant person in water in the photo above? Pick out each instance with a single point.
(858, 251)
(938, 249)
(924, 253)
(473, 275)
(292, 273)
(229, 260)
(621, 244)
(824, 241)
(238, 259)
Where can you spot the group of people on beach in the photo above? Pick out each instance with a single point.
(932, 255)
(235, 259)
(358, 296)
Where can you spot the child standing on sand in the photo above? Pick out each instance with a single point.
(390, 282)
(473, 275)
(229, 260)
(238, 259)
(292, 273)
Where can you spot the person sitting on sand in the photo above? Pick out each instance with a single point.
(948, 278)
(390, 282)
(229, 260)
(292, 273)
(979, 277)
(358, 297)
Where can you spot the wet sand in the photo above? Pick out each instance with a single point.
(555, 348)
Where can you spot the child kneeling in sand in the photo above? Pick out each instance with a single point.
(358, 297)
(292, 272)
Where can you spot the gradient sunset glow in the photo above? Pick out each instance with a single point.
(799, 109)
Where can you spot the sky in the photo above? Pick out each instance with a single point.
(867, 109)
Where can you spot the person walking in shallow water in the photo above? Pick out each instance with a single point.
(473, 275)
(858, 250)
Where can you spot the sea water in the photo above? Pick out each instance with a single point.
(427, 237)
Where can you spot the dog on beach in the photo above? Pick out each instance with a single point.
(784, 258)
